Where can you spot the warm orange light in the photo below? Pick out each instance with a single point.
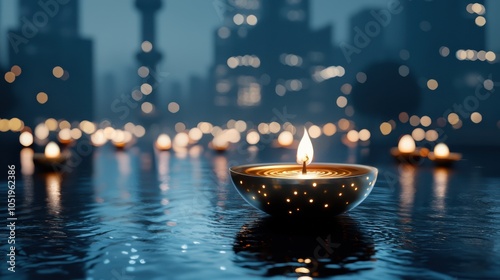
(305, 152)
(52, 150)
(406, 144)
(441, 151)
(163, 142)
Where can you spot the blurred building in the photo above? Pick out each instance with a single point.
(148, 57)
(56, 63)
(267, 56)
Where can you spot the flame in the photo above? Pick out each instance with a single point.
(52, 150)
(406, 144)
(305, 152)
(163, 142)
(441, 150)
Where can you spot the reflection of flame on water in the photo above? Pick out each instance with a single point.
(220, 166)
(440, 186)
(27, 165)
(407, 182)
(53, 186)
(27, 169)
(305, 248)
(123, 162)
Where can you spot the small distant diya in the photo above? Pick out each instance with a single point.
(163, 142)
(322, 189)
(442, 156)
(51, 158)
(121, 139)
(406, 151)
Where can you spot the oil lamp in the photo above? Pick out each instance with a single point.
(304, 189)
(442, 156)
(406, 151)
(52, 156)
(163, 142)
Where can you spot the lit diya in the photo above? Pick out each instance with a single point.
(51, 158)
(305, 189)
(442, 156)
(406, 151)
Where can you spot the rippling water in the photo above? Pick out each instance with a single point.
(143, 215)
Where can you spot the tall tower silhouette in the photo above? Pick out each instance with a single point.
(148, 56)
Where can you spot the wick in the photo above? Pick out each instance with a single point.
(304, 170)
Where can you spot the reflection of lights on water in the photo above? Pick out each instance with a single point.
(163, 168)
(407, 182)
(440, 186)
(195, 151)
(27, 165)
(220, 168)
(123, 160)
(53, 187)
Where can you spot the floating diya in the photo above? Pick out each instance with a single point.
(52, 156)
(163, 142)
(321, 189)
(406, 151)
(442, 156)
